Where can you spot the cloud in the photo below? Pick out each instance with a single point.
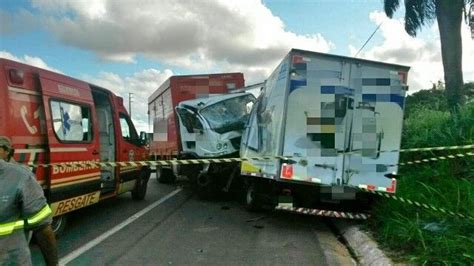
(30, 60)
(142, 84)
(423, 55)
(191, 34)
(14, 23)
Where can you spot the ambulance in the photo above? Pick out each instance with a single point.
(331, 124)
(51, 119)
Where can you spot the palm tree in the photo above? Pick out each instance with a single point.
(448, 14)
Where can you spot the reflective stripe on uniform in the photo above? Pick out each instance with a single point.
(6, 229)
(39, 216)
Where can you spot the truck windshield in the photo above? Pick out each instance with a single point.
(230, 114)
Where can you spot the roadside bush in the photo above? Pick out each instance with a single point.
(422, 236)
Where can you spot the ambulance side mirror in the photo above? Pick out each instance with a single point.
(143, 138)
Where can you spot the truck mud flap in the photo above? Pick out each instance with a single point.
(325, 213)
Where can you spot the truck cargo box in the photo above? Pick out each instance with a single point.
(339, 119)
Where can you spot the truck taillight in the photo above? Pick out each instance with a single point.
(16, 76)
(287, 171)
(403, 77)
(393, 187)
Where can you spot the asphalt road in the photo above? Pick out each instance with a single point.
(180, 229)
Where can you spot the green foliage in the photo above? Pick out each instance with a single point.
(417, 13)
(469, 91)
(418, 235)
(426, 127)
(433, 99)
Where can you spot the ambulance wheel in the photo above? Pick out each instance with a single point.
(165, 175)
(139, 192)
(59, 224)
(252, 201)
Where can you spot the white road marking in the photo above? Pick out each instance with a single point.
(76, 253)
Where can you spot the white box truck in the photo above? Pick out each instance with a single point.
(339, 122)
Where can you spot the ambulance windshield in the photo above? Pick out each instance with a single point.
(230, 114)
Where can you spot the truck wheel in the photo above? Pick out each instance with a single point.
(165, 175)
(205, 186)
(59, 224)
(252, 201)
(139, 192)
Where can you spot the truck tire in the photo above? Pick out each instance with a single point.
(252, 200)
(59, 224)
(205, 186)
(139, 192)
(165, 175)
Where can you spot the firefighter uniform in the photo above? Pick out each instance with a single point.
(22, 206)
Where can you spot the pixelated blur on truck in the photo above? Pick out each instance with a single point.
(337, 119)
(166, 141)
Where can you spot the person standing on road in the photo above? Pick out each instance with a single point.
(22, 206)
(6, 149)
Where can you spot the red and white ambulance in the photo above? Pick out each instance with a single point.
(52, 118)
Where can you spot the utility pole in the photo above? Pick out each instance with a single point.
(130, 104)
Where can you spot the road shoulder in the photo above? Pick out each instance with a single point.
(360, 242)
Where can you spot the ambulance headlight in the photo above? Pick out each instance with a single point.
(219, 146)
(225, 146)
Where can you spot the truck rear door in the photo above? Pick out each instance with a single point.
(376, 127)
(70, 123)
(342, 118)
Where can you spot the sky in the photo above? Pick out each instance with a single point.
(134, 46)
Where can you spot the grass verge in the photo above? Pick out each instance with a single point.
(428, 237)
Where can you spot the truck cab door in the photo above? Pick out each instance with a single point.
(70, 124)
(191, 131)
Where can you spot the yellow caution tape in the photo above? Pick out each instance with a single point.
(325, 213)
(441, 148)
(435, 159)
(418, 204)
(222, 160)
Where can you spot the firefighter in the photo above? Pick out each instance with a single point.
(6, 150)
(22, 207)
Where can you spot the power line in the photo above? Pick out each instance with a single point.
(370, 37)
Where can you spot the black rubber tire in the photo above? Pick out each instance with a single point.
(252, 201)
(205, 186)
(165, 175)
(139, 192)
(59, 224)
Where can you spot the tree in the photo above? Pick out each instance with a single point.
(448, 14)
(432, 99)
(469, 90)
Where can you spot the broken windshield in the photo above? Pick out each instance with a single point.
(229, 115)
